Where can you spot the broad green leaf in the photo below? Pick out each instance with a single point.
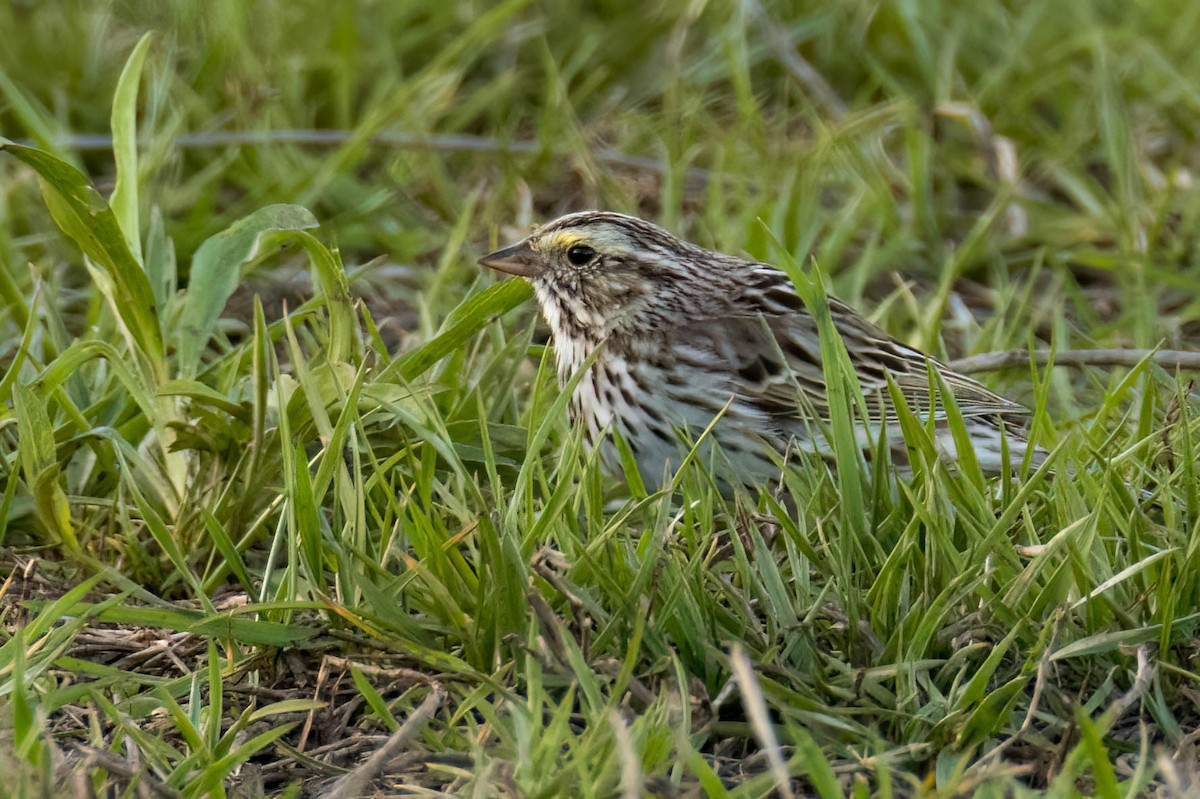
(215, 271)
(88, 220)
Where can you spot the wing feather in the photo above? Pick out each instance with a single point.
(770, 345)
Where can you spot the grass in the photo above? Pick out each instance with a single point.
(285, 475)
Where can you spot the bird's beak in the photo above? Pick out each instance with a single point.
(519, 260)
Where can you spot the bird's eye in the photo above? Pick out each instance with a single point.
(580, 254)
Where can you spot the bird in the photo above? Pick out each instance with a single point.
(675, 340)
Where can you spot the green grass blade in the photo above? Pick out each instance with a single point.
(39, 460)
(125, 196)
(215, 274)
(468, 319)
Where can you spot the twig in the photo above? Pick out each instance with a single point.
(1186, 742)
(445, 142)
(1141, 683)
(631, 772)
(410, 675)
(354, 784)
(1009, 359)
(95, 759)
(760, 721)
(1180, 775)
(1039, 685)
(797, 66)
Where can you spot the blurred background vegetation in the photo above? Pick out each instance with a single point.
(1085, 110)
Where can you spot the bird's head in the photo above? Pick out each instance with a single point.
(597, 272)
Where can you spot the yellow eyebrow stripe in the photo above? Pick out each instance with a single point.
(566, 238)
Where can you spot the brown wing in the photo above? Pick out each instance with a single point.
(770, 343)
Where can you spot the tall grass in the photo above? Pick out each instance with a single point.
(247, 540)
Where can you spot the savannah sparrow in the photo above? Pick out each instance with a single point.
(686, 334)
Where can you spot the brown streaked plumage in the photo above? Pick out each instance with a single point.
(686, 334)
